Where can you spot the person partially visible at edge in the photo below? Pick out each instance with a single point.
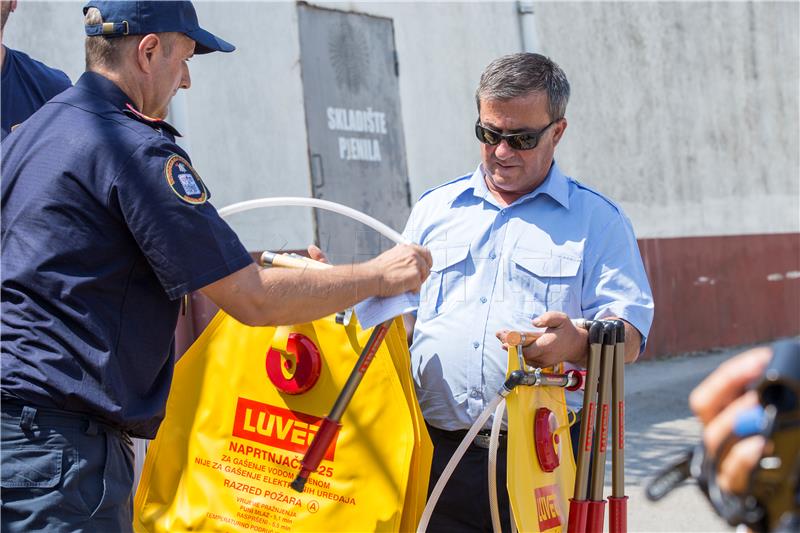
(25, 84)
(105, 226)
(717, 402)
(758, 380)
(515, 244)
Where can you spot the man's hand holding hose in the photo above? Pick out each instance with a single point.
(401, 269)
(396, 267)
(249, 295)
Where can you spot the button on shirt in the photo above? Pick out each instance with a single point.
(25, 85)
(105, 226)
(562, 247)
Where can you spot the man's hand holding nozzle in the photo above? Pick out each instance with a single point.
(557, 339)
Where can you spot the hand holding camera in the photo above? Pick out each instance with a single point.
(749, 462)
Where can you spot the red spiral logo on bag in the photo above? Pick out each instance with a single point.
(296, 369)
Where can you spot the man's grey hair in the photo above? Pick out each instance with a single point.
(108, 52)
(102, 51)
(521, 74)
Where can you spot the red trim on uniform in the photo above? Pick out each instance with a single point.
(142, 115)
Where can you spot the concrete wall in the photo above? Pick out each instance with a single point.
(247, 121)
(51, 32)
(684, 112)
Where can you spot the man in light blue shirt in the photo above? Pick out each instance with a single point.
(515, 244)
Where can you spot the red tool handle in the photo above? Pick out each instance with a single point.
(595, 516)
(618, 514)
(313, 457)
(578, 510)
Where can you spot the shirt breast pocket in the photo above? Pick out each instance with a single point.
(446, 286)
(545, 281)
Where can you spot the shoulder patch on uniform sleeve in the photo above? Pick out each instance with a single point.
(184, 181)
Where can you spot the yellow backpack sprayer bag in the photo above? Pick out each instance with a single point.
(541, 468)
(245, 405)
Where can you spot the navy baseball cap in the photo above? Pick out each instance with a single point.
(149, 16)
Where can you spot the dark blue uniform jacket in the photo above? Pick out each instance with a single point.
(25, 85)
(105, 226)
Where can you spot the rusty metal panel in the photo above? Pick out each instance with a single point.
(715, 292)
(355, 131)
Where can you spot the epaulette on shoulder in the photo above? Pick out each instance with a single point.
(600, 195)
(445, 184)
(155, 123)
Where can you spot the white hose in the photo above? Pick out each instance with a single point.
(292, 201)
(451, 465)
(494, 439)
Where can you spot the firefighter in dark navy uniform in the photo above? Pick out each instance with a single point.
(106, 225)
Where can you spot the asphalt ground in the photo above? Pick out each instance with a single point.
(659, 427)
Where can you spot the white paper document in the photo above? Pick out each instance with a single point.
(376, 310)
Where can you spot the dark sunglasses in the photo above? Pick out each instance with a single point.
(527, 140)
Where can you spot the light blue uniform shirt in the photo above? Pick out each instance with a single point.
(562, 247)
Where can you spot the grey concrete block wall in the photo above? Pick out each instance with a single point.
(685, 113)
(51, 32)
(247, 121)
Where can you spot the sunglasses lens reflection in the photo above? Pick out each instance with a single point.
(524, 141)
(487, 136)
(520, 141)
